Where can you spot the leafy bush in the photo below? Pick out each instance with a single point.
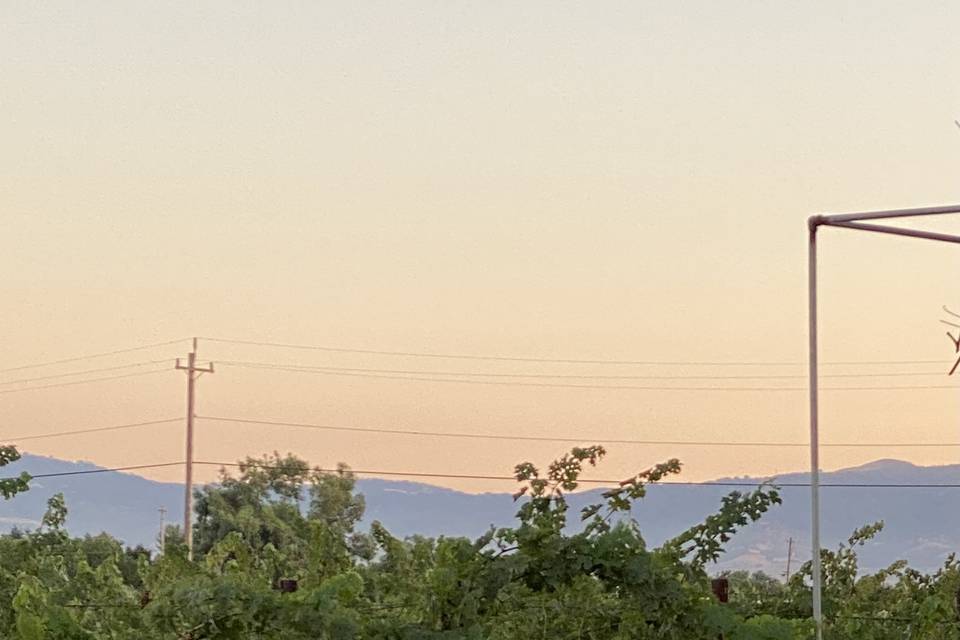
(280, 520)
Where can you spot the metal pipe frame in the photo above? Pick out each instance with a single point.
(846, 221)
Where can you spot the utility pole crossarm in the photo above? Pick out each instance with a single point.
(194, 368)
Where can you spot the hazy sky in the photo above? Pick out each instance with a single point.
(616, 180)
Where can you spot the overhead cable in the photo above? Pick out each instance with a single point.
(490, 436)
(103, 354)
(462, 356)
(87, 472)
(57, 434)
(86, 371)
(464, 476)
(612, 387)
(281, 366)
(76, 382)
(607, 481)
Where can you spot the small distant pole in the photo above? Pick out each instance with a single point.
(193, 372)
(789, 557)
(163, 530)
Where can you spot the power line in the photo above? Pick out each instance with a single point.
(90, 430)
(465, 476)
(76, 382)
(461, 356)
(86, 472)
(411, 474)
(86, 371)
(102, 354)
(483, 374)
(481, 435)
(487, 436)
(722, 483)
(620, 387)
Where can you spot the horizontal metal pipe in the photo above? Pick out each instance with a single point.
(897, 231)
(893, 213)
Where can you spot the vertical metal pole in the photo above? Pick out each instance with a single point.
(814, 433)
(188, 488)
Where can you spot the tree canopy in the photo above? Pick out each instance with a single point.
(278, 554)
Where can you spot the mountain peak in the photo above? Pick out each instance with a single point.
(884, 464)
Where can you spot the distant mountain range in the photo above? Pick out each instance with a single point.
(921, 523)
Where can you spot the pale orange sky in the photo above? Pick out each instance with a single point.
(627, 180)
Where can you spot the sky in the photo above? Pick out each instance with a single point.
(621, 181)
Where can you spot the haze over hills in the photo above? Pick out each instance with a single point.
(921, 531)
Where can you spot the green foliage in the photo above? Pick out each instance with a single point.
(704, 542)
(278, 519)
(10, 487)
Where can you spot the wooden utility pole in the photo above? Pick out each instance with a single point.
(789, 556)
(163, 530)
(193, 372)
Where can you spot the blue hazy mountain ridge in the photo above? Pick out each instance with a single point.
(921, 523)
